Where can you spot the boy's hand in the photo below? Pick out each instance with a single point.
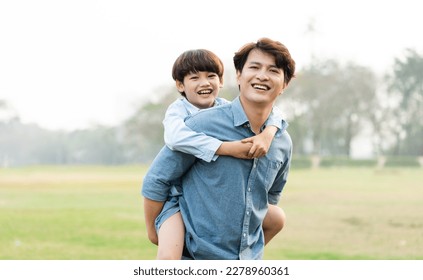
(261, 142)
(248, 148)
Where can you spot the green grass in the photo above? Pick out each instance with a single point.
(90, 212)
(352, 214)
(72, 213)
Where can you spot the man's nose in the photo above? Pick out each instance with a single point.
(262, 75)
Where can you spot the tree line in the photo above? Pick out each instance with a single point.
(328, 105)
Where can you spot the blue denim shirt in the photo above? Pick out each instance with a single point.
(225, 201)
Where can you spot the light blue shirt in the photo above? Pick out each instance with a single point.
(225, 201)
(179, 137)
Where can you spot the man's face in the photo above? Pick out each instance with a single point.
(260, 81)
(201, 88)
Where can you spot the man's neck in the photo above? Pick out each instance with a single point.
(257, 114)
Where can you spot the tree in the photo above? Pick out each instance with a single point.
(330, 104)
(143, 131)
(405, 88)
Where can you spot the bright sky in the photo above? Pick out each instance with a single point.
(72, 64)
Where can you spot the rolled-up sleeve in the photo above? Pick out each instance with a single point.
(279, 183)
(167, 168)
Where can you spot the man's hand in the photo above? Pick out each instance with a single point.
(151, 210)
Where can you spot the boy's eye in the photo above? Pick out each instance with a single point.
(212, 75)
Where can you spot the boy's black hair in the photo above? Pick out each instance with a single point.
(193, 61)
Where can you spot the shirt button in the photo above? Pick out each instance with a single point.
(248, 212)
(249, 189)
(244, 234)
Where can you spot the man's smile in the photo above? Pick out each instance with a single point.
(260, 87)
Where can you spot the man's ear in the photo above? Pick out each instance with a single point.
(283, 89)
(238, 74)
(180, 86)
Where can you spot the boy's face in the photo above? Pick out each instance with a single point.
(260, 81)
(201, 88)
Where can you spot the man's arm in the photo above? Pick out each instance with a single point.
(275, 190)
(152, 209)
(167, 168)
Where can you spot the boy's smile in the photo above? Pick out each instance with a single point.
(206, 91)
(200, 88)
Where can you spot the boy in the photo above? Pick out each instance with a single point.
(198, 75)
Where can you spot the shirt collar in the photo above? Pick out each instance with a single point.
(193, 109)
(240, 117)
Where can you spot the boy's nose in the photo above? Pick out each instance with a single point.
(204, 82)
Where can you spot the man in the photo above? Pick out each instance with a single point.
(224, 202)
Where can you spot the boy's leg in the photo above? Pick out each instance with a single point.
(171, 238)
(273, 222)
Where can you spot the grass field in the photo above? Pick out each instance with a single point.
(91, 212)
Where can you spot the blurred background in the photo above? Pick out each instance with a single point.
(88, 82)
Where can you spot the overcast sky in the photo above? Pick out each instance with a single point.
(72, 64)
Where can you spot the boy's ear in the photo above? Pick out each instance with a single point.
(180, 86)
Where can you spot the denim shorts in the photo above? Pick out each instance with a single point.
(170, 208)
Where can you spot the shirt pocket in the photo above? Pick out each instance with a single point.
(272, 170)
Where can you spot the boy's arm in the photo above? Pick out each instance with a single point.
(181, 138)
(252, 147)
(235, 149)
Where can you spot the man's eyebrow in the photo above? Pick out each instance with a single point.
(259, 63)
(255, 62)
